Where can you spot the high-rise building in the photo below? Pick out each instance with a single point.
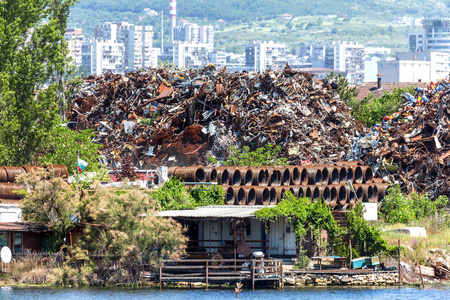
(75, 39)
(187, 55)
(260, 56)
(193, 33)
(137, 40)
(101, 56)
(437, 34)
(349, 58)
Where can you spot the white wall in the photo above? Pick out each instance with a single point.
(10, 213)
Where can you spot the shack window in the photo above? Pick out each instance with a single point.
(240, 225)
(18, 242)
(3, 239)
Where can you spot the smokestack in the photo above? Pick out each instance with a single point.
(379, 80)
(173, 19)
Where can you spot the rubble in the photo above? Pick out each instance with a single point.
(181, 117)
(412, 146)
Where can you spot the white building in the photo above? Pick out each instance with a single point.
(260, 56)
(10, 213)
(218, 58)
(101, 56)
(137, 40)
(188, 55)
(349, 58)
(434, 37)
(74, 44)
(423, 66)
(193, 34)
(416, 41)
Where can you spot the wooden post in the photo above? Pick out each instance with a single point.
(160, 275)
(350, 250)
(253, 274)
(207, 271)
(281, 274)
(399, 266)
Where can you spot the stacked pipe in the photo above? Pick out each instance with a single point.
(8, 176)
(267, 185)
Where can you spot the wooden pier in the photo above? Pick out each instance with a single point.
(208, 271)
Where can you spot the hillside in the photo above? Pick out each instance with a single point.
(367, 22)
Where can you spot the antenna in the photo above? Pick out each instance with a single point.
(162, 32)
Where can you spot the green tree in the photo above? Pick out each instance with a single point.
(33, 62)
(346, 93)
(263, 156)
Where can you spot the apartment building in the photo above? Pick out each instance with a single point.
(262, 55)
(101, 56)
(412, 66)
(74, 38)
(189, 55)
(190, 33)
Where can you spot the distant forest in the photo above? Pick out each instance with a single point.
(230, 10)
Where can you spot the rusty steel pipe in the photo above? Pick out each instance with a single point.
(296, 178)
(303, 175)
(274, 176)
(234, 176)
(188, 174)
(230, 197)
(34, 169)
(61, 170)
(325, 175)
(333, 175)
(325, 193)
(3, 175)
(262, 195)
(301, 191)
(208, 172)
(260, 177)
(8, 189)
(294, 189)
(273, 196)
(342, 175)
(382, 188)
(213, 175)
(359, 193)
(223, 177)
(350, 174)
(246, 177)
(314, 176)
(308, 192)
(358, 175)
(285, 176)
(367, 174)
(333, 196)
(250, 195)
(13, 173)
(315, 193)
(280, 190)
(240, 195)
(351, 197)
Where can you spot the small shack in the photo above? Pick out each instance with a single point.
(233, 232)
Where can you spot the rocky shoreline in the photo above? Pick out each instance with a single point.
(302, 278)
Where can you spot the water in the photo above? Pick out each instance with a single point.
(392, 293)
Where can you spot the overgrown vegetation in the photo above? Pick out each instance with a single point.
(118, 231)
(263, 156)
(174, 195)
(371, 110)
(400, 208)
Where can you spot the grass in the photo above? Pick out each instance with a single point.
(417, 250)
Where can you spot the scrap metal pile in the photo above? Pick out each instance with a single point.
(413, 144)
(179, 118)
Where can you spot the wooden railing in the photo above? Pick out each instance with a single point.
(223, 270)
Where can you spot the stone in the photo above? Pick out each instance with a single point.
(411, 231)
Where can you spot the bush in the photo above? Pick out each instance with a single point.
(173, 195)
(208, 196)
(263, 156)
(399, 208)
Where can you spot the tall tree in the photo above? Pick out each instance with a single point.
(33, 61)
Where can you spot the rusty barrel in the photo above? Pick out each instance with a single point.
(274, 176)
(260, 177)
(262, 195)
(333, 175)
(3, 175)
(314, 175)
(61, 170)
(7, 190)
(246, 176)
(13, 172)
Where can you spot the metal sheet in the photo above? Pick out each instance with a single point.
(215, 211)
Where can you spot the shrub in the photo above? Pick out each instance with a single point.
(263, 156)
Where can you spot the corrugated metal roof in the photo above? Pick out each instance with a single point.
(215, 211)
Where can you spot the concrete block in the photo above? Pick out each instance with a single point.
(412, 231)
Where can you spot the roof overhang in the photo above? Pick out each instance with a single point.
(215, 211)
